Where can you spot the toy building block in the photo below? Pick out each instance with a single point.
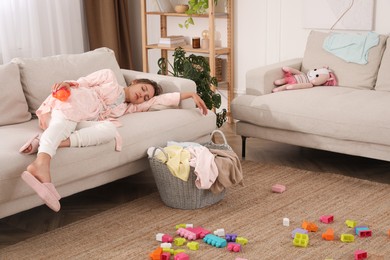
(298, 230)
(327, 219)
(164, 238)
(165, 245)
(279, 188)
(242, 240)
(199, 232)
(363, 231)
(286, 222)
(214, 240)
(178, 251)
(347, 238)
(350, 223)
(183, 232)
(193, 245)
(169, 250)
(231, 237)
(181, 256)
(234, 247)
(220, 232)
(310, 226)
(328, 235)
(301, 240)
(165, 256)
(183, 226)
(179, 241)
(156, 254)
(360, 254)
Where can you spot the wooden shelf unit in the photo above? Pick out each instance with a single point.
(212, 51)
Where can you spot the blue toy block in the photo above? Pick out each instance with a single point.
(231, 237)
(215, 240)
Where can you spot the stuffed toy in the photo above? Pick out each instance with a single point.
(295, 79)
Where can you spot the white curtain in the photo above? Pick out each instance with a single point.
(37, 28)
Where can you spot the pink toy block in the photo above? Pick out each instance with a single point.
(199, 232)
(360, 254)
(164, 238)
(181, 256)
(326, 219)
(279, 188)
(234, 247)
(183, 232)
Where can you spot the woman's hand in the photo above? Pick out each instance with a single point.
(198, 101)
(66, 85)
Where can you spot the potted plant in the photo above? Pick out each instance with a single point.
(196, 68)
(195, 7)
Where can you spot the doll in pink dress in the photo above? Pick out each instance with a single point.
(93, 107)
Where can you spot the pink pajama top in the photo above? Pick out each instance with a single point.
(99, 97)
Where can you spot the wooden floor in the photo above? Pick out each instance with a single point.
(41, 219)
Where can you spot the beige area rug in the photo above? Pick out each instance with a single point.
(253, 211)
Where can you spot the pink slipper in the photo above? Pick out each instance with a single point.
(34, 142)
(46, 191)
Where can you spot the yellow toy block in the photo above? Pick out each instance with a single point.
(193, 245)
(350, 223)
(242, 240)
(301, 240)
(347, 238)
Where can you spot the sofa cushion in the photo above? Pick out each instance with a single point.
(383, 81)
(335, 112)
(39, 74)
(348, 74)
(13, 105)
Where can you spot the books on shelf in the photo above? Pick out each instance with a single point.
(172, 41)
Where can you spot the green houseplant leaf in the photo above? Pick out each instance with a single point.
(196, 68)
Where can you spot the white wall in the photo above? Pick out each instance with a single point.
(266, 31)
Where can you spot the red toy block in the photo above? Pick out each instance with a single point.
(360, 254)
(310, 226)
(165, 256)
(279, 188)
(326, 219)
(234, 247)
(181, 256)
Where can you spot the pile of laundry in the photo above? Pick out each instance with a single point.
(215, 169)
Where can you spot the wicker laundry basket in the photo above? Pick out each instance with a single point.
(180, 194)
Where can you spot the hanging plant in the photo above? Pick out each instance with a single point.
(195, 7)
(196, 68)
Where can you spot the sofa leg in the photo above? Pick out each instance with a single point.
(243, 143)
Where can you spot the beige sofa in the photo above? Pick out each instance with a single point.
(352, 118)
(24, 85)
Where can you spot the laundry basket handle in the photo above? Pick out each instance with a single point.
(221, 133)
(162, 150)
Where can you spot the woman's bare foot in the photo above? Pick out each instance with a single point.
(40, 168)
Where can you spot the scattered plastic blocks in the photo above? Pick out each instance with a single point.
(181, 256)
(183, 232)
(165, 256)
(298, 230)
(183, 226)
(326, 219)
(220, 232)
(156, 254)
(347, 238)
(328, 235)
(231, 237)
(286, 222)
(363, 231)
(310, 226)
(179, 241)
(279, 188)
(301, 240)
(360, 254)
(214, 240)
(234, 247)
(350, 223)
(193, 245)
(242, 240)
(164, 238)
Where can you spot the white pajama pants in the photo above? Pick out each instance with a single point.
(81, 134)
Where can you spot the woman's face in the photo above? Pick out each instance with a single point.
(140, 92)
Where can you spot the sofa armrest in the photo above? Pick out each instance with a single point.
(260, 81)
(168, 83)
